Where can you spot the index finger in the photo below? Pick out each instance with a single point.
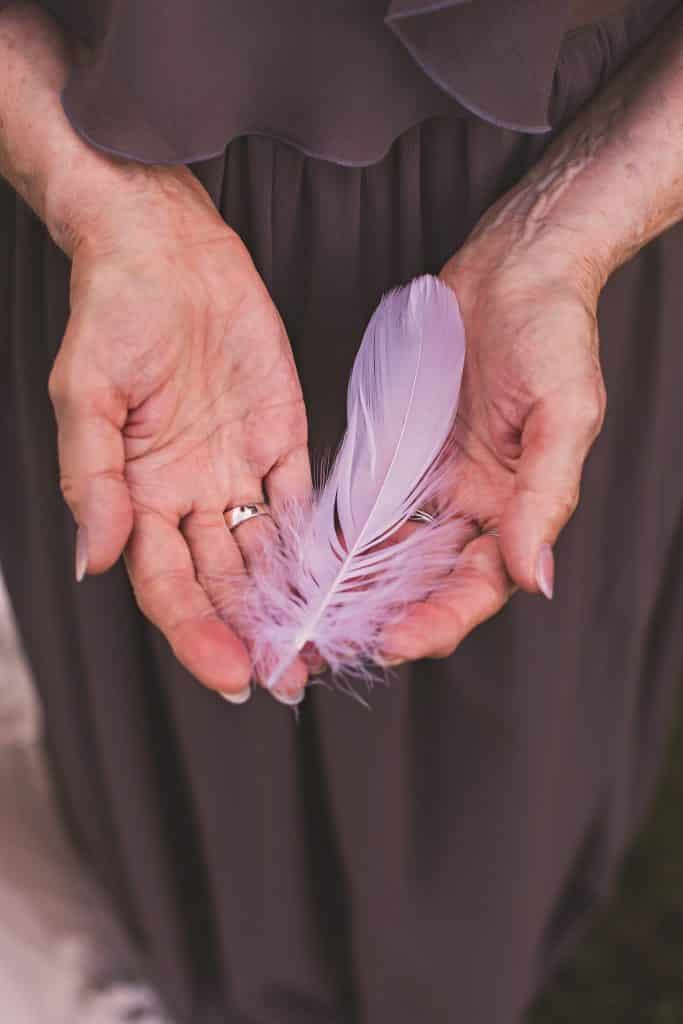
(167, 592)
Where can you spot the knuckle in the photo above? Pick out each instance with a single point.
(602, 406)
(493, 588)
(73, 487)
(56, 385)
(584, 411)
(296, 424)
(147, 603)
(69, 489)
(476, 565)
(154, 597)
(108, 474)
(588, 410)
(65, 388)
(76, 391)
(567, 504)
(448, 635)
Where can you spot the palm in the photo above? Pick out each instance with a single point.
(530, 405)
(199, 408)
(215, 416)
(537, 348)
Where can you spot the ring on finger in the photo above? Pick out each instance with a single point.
(421, 515)
(238, 514)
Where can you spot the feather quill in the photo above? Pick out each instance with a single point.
(344, 568)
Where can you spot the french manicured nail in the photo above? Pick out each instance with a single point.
(239, 697)
(545, 571)
(81, 552)
(286, 698)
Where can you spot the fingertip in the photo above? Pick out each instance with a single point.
(521, 538)
(213, 654)
(291, 700)
(236, 696)
(479, 588)
(81, 558)
(389, 661)
(291, 686)
(545, 571)
(409, 639)
(103, 529)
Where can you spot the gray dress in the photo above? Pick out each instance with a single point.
(434, 858)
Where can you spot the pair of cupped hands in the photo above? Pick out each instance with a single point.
(177, 396)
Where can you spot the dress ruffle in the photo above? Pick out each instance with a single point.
(328, 77)
(498, 59)
(173, 82)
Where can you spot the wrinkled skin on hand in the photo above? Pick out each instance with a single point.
(176, 396)
(532, 403)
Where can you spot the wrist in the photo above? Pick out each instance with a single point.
(610, 182)
(511, 244)
(67, 182)
(79, 190)
(85, 197)
(584, 202)
(102, 204)
(554, 220)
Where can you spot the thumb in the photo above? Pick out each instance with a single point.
(91, 463)
(557, 436)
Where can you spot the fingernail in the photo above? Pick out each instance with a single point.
(389, 662)
(285, 698)
(81, 552)
(239, 697)
(315, 664)
(545, 571)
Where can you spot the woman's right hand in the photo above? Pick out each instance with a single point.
(176, 396)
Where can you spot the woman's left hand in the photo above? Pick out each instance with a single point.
(531, 405)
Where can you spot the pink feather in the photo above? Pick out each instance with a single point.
(340, 575)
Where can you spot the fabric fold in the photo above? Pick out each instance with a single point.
(498, 59)
(169, 82)
(328, 78)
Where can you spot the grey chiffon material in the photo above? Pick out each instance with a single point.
(434, 858)
(166, 81)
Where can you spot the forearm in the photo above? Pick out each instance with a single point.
(73, 188)
(39, 151)
(613, 179)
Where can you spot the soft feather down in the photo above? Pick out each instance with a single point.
(333, 580)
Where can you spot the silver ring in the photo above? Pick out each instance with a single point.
(421, 515)
(240, 513)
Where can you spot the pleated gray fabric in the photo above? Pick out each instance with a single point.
(434, 858)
